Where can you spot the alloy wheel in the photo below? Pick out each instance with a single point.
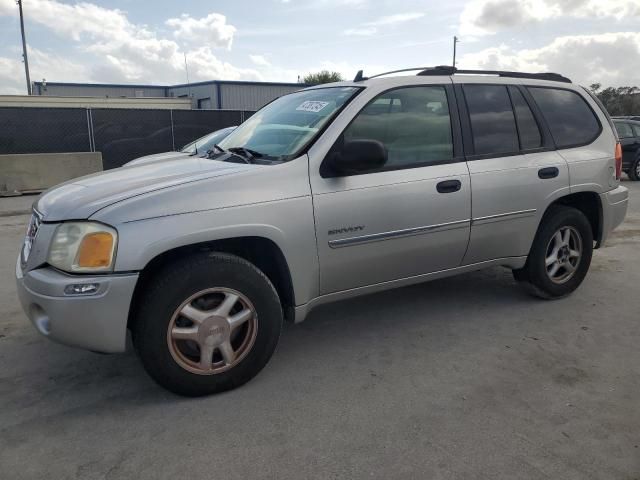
(564, 253)
(212, 331)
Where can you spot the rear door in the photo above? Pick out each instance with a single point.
(515, 170)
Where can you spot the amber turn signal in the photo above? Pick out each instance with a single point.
(95, 250)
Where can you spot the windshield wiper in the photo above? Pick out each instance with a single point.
(213, 150)
(246, 153)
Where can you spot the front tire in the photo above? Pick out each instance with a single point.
(560, 255)
(207, 324)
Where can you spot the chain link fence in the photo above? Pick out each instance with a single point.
(119, 134)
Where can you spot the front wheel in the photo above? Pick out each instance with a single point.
(207, 324)
(560, 255)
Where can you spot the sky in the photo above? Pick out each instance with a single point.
(145, 42)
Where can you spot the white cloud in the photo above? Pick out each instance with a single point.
(259, 60)
(610, 58)
(361, 31)
(41, 65)
(371, 28)
(212, 30)
(482, 17)
(395, 19)
(122, 51)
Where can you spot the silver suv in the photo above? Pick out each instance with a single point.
(327, 193)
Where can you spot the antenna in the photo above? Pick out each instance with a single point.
(455, 41)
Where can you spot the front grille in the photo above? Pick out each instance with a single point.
(30, 237)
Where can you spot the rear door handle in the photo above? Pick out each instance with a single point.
(548, 172)
(449, 186)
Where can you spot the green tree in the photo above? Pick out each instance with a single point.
(620, 100)
(325, 76)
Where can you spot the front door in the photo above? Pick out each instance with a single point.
(410, 216)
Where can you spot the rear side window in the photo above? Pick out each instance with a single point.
(636, 130)
(571, 120)
(624, 129)
(492, 122)
(528, 129)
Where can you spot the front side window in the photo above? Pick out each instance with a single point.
(571, 120)
(623, 129)
(493, 124)
(412, 123)
(284, 127)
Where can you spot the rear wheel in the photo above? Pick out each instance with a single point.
(207, 324)
(560, 255)
(634, 171)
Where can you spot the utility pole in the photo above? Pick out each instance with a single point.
(24, 48)
(186, 68)
(455, 41)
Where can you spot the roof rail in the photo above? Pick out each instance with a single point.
(448, 70)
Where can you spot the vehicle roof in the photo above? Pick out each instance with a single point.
(400, 80)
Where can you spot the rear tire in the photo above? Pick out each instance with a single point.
(206, 324)
(560, 255)
(634, 171)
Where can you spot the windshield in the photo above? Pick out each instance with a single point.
(288, 124)
(206, 143)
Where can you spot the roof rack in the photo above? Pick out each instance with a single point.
(449, 70)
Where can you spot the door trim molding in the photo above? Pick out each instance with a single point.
(503, 216)
(406, 232)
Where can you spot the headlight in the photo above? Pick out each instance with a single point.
(83, 247)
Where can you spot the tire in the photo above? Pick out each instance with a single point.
(539, 279)
(193, 289)
(634, 171)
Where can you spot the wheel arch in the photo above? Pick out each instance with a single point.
(263, 252)
(590, 204)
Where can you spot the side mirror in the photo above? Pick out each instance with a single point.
(359, 156)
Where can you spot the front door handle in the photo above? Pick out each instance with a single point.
(449, 186)
(548, 172)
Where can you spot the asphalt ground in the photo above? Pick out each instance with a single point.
(462, 378)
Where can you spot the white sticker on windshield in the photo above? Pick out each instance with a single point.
(312, 106)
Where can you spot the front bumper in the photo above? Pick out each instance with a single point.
(95, 322)
(614, 209)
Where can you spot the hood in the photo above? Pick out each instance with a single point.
(158, 157)
(82, 197)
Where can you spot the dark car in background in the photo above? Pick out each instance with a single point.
(629, 134)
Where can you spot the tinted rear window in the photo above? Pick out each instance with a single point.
(492, 122)
(571, 120)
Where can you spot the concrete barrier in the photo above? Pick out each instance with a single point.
(26, 173)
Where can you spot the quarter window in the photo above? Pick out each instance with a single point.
(571, 120)
(528, 129)
(412, 123)
(493, 124)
